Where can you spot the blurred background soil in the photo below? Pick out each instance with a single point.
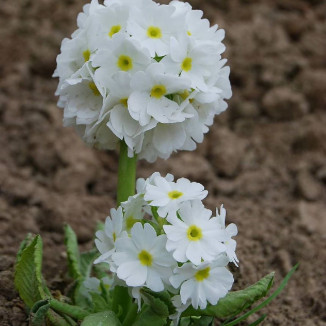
(264, 159)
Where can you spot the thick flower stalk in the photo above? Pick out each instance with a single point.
(180, 248)
(148, 74)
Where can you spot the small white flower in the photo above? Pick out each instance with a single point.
(109, 23)
(75, 53)
(162, 141)
(231, 231)
(192, 60)
(113, 231)
(84, 18)
(195, 27)
(116, 109)
(168, 196)
(149, 99)
(194, 236)
(153, 27)
(133, 211)
(203, 283)
(82, 99)
(98, 134)
(142, 259)
(141, 183)
(123, 55)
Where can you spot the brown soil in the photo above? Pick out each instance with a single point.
(265, 158)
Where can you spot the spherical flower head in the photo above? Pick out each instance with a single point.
(142, 259)
(168, 196)
(107, 238)
(157, 77)
(193, 235)
(204, 283)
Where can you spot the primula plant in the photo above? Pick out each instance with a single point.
(148, 78)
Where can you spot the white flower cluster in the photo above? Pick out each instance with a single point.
(163, 238)
(148, 74)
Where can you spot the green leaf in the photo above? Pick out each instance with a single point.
(55, 319)
(267, 301)
(162, 296)
(121, 301)
(73, 254)
(185, 321)
(39, 312)
(77, 296)
(70, 310)
(98, 302)
(23, 245)
(86, 262)
(105, 318)
(148, 317)
(158, 306)
(235, 302)
(28, 277)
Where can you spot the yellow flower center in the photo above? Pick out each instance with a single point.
(194, 233)
(130, 221)
(185, 94)
(186, 64)
(114, 30)
(86, 55)
(124, 63)
(124, 102)
(145, 258)
(189, 33)
(158, 91)
(154, 32)
(114, 236)
(94, 89)
(175, 194)
(202, 274)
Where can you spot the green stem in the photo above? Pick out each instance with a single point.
(131, 315)
(126, 187)
(72, 311)
(126, 174)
